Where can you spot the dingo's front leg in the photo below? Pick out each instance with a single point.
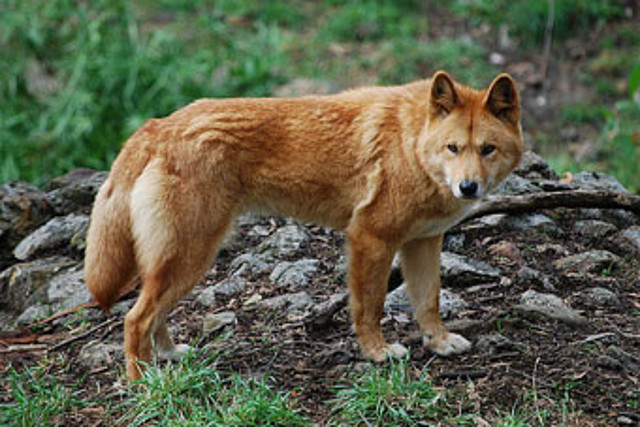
(369, 267)
(421, 271)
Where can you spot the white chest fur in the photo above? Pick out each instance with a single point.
(436, 226)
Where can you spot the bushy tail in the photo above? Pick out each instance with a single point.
(110, 263)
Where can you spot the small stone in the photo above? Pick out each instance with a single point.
(217, 321)
(454, 242)
(625, 421)
(632, 234)
(207, 297)
(515, 185)
(495, 343)
(597, 181)
(294, 274)
(96, 354)
(230, 286)
(532, 166)
(506, 249)
(530, 276)
(594, 228)
(549, 305)
(285, 242)
(450, 303)
(628, 361)
(531, 222)
(599, 297)
(33, 313)
(460, 270)
(53, 234)
(289, 302)
(594, 261)
(250, 265)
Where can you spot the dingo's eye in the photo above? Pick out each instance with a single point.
(487, 149)
(453, 148)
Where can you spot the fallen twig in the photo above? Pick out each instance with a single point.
(557, 199)
(23, 348)
(84, 334)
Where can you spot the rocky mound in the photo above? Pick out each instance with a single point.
(553, 294)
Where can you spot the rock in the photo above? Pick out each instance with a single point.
(96, 354)
(24, 284)
(250, 265)
(55, 233)
(319, 315)
(549, 305)
(620, 217)
(217, 321)
(67, 289)
(33, 313)
(305, 86)
(450, 303)
(229, 287)
(594, 228)
(632, 234)
(531, 223)
(598, 297)
(532, 166)
(286, 242)
(594, 261)
(23, 208)
(531, 277)
(496, 343)
(454, 242)
(515, 185)
(75, 191)
(618, 359)
(294, 274)
(207, 297)
(460, 270)
(290, 302)
(597, 181)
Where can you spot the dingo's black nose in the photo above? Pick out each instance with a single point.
(468, 188)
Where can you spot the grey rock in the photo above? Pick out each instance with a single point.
(207, 297)
(96, 354)
(450, 303)
(24, 283)
(515, 185)
(294, 274)
(594, 228)
(251, 265)
(75, 191)
(290, 302)
(598, 297)
(122, 307)
(285, 242)
(626, 360)
(217, 321)
(597, 181)
(594, 261)
(530, 276)
(230, 286)
(33, 313)
(23, 208)
(532, 166)
(454, 242)
(632, 234)
(549, 305)
(460, 270)
(619, 217)
(531, 222)
(68, 289)
(53, 234)
(496, 343)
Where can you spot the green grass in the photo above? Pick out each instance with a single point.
(37, 398)
(194, 392)
(396, 394)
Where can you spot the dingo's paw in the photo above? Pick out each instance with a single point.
(381, 354)
(178, 352)
(451, 344)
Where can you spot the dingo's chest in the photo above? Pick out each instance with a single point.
(435, 226)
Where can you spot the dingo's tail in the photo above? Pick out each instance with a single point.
(110, 262)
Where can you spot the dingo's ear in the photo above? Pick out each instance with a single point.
(443, 96)
(502, 99)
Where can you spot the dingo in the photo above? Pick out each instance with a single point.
(394, 167)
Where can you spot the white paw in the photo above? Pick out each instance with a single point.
(452, 344)
(178, 352)
(397, 350)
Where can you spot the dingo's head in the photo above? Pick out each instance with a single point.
(473, 138)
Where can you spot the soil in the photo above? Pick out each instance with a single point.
(545, 364)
